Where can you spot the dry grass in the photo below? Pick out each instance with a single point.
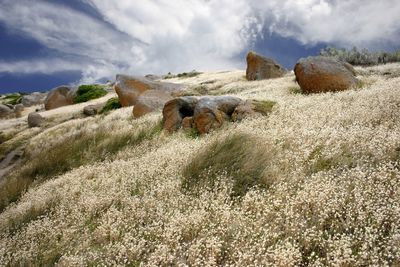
(83, 147)
(236, 157)
(332, 161)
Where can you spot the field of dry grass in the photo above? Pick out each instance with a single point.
(314, 183)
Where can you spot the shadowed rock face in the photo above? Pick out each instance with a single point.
(322, 74)
(204, 113)
(176, 110)
(59, 97)
(129, 88)
(260, 68)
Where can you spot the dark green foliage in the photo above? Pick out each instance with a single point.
(112, 103)
(237, 157)
(12, 99)
(81, 149)
(363, 57)
(89, 92)
(263, 106)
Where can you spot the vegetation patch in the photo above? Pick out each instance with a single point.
(319, 162)
(12, 99)
(196, 91)
(237, 157)
(112, 103)
(294, 90)
(182, 75)
(81, 149)
(89, 92)
(263, 107)
(362, 57)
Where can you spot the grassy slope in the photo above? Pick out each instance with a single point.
(330, 163)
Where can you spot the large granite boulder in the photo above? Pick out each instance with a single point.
(323, 74)
(150, 101)
(5, 111)
(211, 112)
(35, 119)
(33, 99)
(128, 88)
(59, 97)
(260, 68)
(176, 110)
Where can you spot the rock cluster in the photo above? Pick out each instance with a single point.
(203, 114)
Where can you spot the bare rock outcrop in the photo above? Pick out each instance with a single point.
(150, 101)
(204, 113)
(129, 88)
(5, 111)
(260, 68)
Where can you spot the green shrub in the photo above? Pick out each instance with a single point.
(12, 99)
(89, 92)
(237, 157)
(112, 103)
(263, 106)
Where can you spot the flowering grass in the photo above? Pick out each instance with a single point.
(331, 197)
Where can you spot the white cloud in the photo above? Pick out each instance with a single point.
(157, 36)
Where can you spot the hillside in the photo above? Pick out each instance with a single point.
(315, 182)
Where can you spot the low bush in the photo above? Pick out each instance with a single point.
(12, 99)
(237, 157)
(263, 106)
(362, 57)
(112, 103)
(89, 92)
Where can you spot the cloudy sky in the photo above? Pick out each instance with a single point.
(44, 43)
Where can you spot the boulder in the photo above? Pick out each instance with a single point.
(244, 110)
(33, 99)
(59, 97)
(150, 101)
(176, 110)
(93, 110)
(35, 119)
(323, 74)
(260, 68)
(211, 112)
(128, 88)
(18, 109)
(5, 111)
(204, 113)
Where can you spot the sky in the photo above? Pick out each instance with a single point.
(46, 43)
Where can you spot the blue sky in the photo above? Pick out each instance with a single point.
(45, 43)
